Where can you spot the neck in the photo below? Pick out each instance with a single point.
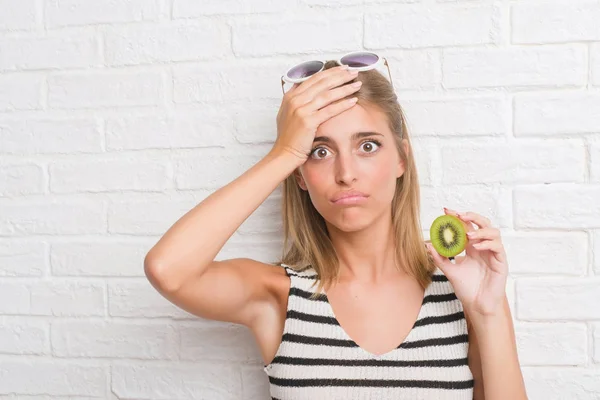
(366, 255)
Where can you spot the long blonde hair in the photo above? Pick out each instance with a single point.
(306, 241)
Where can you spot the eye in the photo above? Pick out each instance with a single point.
(378, 143)
(313, 151)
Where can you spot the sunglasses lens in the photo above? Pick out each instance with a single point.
(305, 69)
(360, 59)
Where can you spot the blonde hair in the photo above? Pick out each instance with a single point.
(306, 241)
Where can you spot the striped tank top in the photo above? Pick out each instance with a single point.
(318, 360)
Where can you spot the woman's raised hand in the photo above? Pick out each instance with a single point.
(307, 105)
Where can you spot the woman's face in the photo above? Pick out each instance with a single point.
(367, 163)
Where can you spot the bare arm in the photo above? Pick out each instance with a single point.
(499, 363)
(181, 267)
(187, 250)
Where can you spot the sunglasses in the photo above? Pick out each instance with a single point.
(358, 60)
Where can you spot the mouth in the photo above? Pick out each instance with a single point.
(353, 199)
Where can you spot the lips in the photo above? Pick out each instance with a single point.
(347, 193)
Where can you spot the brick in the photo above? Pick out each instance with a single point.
(594, 161)
(562, 383)
(227, 81)
(14, 298)
(266, 218)
(176, 381)
(556, 113)
(157, 44)
(548, 161)
(283, 34)
(147, 217)
(193, 8)
(50, 136)
(596, 338)
(558, 298)
(21, 180)
(596, 252)
(206, 128)
(113, 257)
(210, 172)
(547, 253)
(410, 26)
(103, 339)
(595, 64)
(17, 15)
(520, 67)
(108, 174)
(139, 299)
(234, 344)
(116, 89)
(22, 258)
(54, 378)
(51, 51)
(466, 116)
(52, 217)
(555, 23)
(23, 337)
(20, 91)
(82, 12)
(413, 69)
(67, 299)
(485, 201)
(572, 206)
(255, 382)
(551, 343)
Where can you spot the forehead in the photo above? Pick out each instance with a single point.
(361, 117)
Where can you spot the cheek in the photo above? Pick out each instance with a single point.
(383, 180)
(313, 178)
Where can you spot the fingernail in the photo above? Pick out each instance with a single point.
(470, 234)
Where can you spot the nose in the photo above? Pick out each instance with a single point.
(345, 168)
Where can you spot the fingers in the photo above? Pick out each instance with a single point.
(338, 93)
(334, 80)
(480, 221)
(321, 82)
(468, 227)
(484, 234)
(495, 246)
(333, 109)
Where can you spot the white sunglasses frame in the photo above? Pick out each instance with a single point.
(380, 60)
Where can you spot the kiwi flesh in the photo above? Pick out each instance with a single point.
(448, 236)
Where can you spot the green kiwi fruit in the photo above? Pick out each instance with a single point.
(448, 235)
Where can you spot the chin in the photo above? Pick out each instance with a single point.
(351, 219)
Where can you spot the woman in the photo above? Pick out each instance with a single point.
(360, 306)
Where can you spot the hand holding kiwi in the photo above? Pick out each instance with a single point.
(479, 277)
(448, 236)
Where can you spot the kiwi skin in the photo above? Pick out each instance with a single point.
(448, 236)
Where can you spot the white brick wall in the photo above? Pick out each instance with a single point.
(118, 116)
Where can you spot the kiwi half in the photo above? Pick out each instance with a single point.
(448, 235)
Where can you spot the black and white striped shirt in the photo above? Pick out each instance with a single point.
(318, 360)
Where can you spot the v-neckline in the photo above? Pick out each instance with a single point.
(389, 352)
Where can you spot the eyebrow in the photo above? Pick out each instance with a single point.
(355, 136)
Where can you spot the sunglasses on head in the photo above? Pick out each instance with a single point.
(358, 60)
